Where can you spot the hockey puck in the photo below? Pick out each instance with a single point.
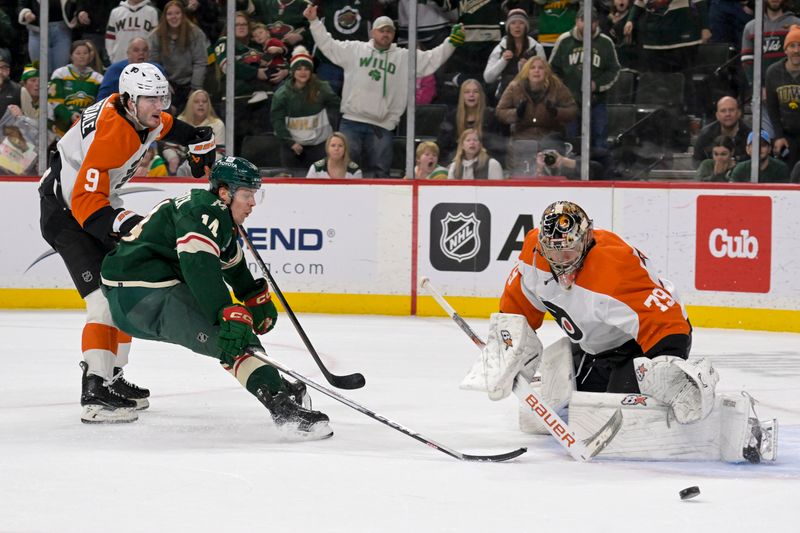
(689, 492)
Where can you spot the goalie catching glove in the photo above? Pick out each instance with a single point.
(512, 348)
(202, 152)
(261, 307)
(686, 386)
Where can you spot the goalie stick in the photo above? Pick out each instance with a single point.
(262, 356)
(580, 450)
(349, 381)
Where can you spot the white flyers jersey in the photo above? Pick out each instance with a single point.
(99, 153)
(616, 296)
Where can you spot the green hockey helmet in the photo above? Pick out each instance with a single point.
(235, 172)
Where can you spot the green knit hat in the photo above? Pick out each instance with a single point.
(31, 70)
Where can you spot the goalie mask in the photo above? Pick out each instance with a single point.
(565, 236)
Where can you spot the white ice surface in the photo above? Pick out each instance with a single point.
(206, 457)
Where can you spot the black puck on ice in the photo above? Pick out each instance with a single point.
(689, 492)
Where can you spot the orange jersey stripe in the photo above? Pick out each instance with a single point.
(99, 337)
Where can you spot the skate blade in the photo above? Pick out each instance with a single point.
(141, 403)
(98, 414)
(293, 433)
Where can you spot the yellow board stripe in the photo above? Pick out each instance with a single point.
(380, 304)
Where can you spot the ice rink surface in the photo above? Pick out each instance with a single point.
(206, 457)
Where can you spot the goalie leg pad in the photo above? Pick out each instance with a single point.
(687, 387)
(512, 348)
(725, 434)
(555, 383)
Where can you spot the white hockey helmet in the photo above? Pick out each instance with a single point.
(144, 79)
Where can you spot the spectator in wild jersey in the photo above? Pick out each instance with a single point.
(567, 63)
(375, 89)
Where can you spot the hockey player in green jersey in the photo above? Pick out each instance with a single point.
(166, 281)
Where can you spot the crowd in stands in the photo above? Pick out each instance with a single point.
(321, 87)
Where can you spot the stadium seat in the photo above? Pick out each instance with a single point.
(624, 90)
(428, 120)
(264, 151)
(620, 119)
(658, 89)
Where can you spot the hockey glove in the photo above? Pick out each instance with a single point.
(202, 152)
(124, 222)
(457, 35)
(263, 310)
(235, 330)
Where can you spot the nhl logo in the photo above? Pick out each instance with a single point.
(202, 337)
(460, 239)
(87, 276)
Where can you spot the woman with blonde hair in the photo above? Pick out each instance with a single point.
(336, 164)
(198, 112)
(536, 103)
(472, 161)
(471, 112)
(182, 48)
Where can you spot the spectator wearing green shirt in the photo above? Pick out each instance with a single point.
(771, 170)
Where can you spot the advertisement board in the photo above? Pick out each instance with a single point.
(732, 252)
(469, 236)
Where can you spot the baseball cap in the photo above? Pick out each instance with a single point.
(764, 137)
(382, 22)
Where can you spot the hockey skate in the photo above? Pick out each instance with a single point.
(101, 405)
(761, 442)
(297, 392)
(295, 421)
(128, 390)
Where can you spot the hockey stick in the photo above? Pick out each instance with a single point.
(349, 381)
(581, 451)
(258, 354)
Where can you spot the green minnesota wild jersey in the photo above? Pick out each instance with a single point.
(188, 239)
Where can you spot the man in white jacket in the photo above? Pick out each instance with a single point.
(375, 86)
(131, 18)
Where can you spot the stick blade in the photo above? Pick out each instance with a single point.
(348, 382)
(493, 458)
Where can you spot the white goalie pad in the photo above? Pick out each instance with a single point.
(512, 348)
(685, 386)
(555, 381)
(646, 435)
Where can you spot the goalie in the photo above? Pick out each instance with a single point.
(627, 345)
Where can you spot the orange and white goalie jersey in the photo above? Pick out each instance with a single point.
(99, 153)
(616, 297)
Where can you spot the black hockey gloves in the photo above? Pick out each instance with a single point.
(202, 152)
